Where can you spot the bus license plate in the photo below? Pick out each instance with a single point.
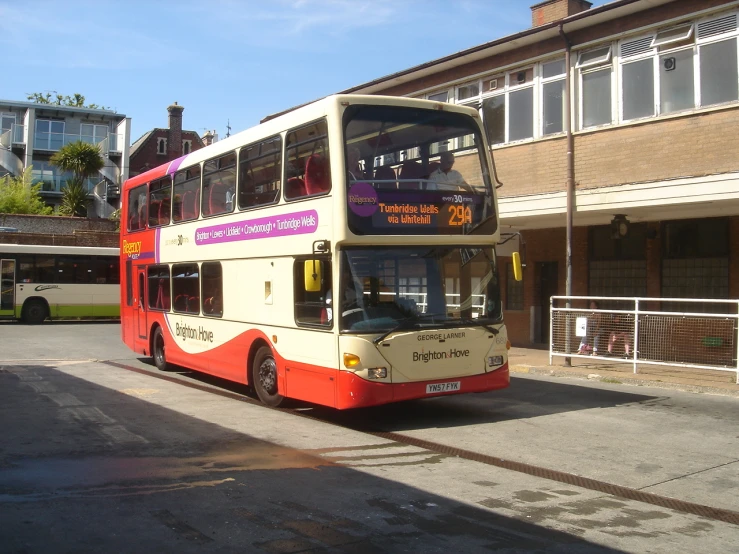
(435, 388)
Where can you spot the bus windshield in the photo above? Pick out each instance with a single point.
(416, 171)
(417, 288)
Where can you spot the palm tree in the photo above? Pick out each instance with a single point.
(82, 160)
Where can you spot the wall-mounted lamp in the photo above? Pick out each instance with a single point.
(619, 226)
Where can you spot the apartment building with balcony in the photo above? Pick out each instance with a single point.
(633, 106)
(31, 133)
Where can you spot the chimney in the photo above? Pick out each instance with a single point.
(207, 138)
(174, 140)
(554, 10)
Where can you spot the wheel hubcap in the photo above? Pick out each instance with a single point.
(268, 376)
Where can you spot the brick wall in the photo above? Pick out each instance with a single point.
(109, 239)
(55, 225)
(147, 157)
(546, 12)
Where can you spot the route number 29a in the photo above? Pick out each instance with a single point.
(459, 215)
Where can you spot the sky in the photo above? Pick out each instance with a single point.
(231, 61)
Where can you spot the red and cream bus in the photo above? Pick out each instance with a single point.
(331, 255)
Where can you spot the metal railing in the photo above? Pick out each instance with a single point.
(12, 136)
(684, 332)
(55, 141)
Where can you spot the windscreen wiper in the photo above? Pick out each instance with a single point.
(407, 323)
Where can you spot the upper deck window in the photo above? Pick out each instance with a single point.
(219, 184)
(416, 171)
(307, 169)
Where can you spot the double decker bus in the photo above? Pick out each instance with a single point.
(58, 282)
(329, 255)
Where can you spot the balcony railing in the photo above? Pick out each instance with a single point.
(55, 183)
(12, 136)
(55, 141)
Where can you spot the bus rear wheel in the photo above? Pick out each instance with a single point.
(265, 377)
(158, 350)
(34, 312)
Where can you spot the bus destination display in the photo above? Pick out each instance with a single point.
(422, 212)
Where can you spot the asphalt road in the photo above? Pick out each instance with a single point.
(97, 457)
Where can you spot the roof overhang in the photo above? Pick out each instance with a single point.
(582, 20)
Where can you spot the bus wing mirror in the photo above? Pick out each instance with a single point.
(517, 268)
(313, 275)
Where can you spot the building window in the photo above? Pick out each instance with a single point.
(687, 66)
(49, 134)
(442, 96)
(695, 261)
(514, 290)
(617, 266)
(595, 72)
(552, 96)
(162, 146)
(186, 146)
(93, 134)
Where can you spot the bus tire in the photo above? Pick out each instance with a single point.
(264, 372)
(34, 312)
(158, 350)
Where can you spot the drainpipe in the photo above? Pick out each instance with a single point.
(570, 183)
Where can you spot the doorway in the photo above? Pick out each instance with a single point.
(548, 286)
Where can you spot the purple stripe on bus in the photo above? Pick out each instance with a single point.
(146, 255)
(297, 223)
(174, 165)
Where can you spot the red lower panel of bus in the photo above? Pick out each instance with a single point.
(354, 392)
(324, 385)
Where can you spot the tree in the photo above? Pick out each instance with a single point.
(76, 100)
(82, 160)
(74, 199)
(18, 195)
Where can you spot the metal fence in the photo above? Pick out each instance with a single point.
(689, 332)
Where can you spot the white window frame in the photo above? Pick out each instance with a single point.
(651, 53)
(539, 117)
(657, 41)
(160, 141)
(606, 62)
(187, 143)
(701, 42)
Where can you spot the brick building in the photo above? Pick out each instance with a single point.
(653, 99)
(159, 146)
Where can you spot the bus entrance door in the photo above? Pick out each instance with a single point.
(141, 306)
(7, 288)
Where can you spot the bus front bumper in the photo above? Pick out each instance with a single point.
(355, 392)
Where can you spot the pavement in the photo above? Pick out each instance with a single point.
(536, 361)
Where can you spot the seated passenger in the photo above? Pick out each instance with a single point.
(444, 177)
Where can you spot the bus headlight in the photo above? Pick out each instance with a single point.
(494, 361)
(351, 361)
(377, 372)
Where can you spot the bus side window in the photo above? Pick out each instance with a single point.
(307, 153)
(260, 173)
(313, 303)
(212, 289)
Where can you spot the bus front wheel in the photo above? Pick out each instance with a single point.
(34, 312)
(265, 377)
(158, 350)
